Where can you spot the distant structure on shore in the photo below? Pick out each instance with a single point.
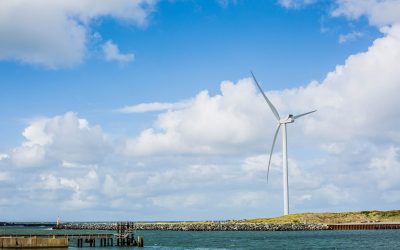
(281, 122)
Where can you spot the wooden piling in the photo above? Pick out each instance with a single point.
(140, 241)
(79, 242)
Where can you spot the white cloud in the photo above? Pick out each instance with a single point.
(64, 138)
(333, 195)
(88, 181)
(112, 53)
(295, 3)
(78, 201)
(4, 157)
(68, 164)
(245, 199)
(344, 98)
(153, 106)
(333, 148)
(385, 169)
(379, 12)
(111, 187)
(31, 155)
(72, 192)
(5, 176)
(344, 38)
(209, 125)
(56, 33)
(184, 201)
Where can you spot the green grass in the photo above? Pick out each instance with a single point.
(332, 218)
(320, 218)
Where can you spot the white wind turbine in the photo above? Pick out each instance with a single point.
(281, 122)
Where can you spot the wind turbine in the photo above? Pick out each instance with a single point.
(281, 122)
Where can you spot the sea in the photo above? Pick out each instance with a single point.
(368, 239)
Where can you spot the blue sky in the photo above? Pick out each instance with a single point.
(66, 76)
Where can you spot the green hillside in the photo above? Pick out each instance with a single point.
(332, 218)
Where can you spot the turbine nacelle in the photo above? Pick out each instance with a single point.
(288, 119)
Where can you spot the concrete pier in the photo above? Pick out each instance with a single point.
(33, 242)
(124, 237)
(64, 240)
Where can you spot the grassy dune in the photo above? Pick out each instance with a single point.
(332, 218)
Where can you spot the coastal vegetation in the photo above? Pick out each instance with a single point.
(331, 218)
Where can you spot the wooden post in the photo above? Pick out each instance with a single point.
(140, 241)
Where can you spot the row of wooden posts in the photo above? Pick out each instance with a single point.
(124, 237)
(105, 242)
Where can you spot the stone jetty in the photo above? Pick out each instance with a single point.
(196, 226)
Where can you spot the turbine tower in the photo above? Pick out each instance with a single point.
(281, 122)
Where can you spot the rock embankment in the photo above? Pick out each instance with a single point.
(199, 226)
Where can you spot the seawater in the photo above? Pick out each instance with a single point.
(368, 239)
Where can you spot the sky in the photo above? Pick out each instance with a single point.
(145, 109)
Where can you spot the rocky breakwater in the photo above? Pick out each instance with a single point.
(214, 226)
(87, 226)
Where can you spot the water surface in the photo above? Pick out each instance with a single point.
(368, 239)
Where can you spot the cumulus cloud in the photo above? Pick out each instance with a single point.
(56, 33)
(112, 53)
(64, 138)
(153, 106)
(28, 155)
(73, 190)
(85, 182)
(209, 125)
(346, 93)
(379, 12)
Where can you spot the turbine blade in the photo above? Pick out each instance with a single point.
(266, 98)
(298, 116)
(272, 149)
